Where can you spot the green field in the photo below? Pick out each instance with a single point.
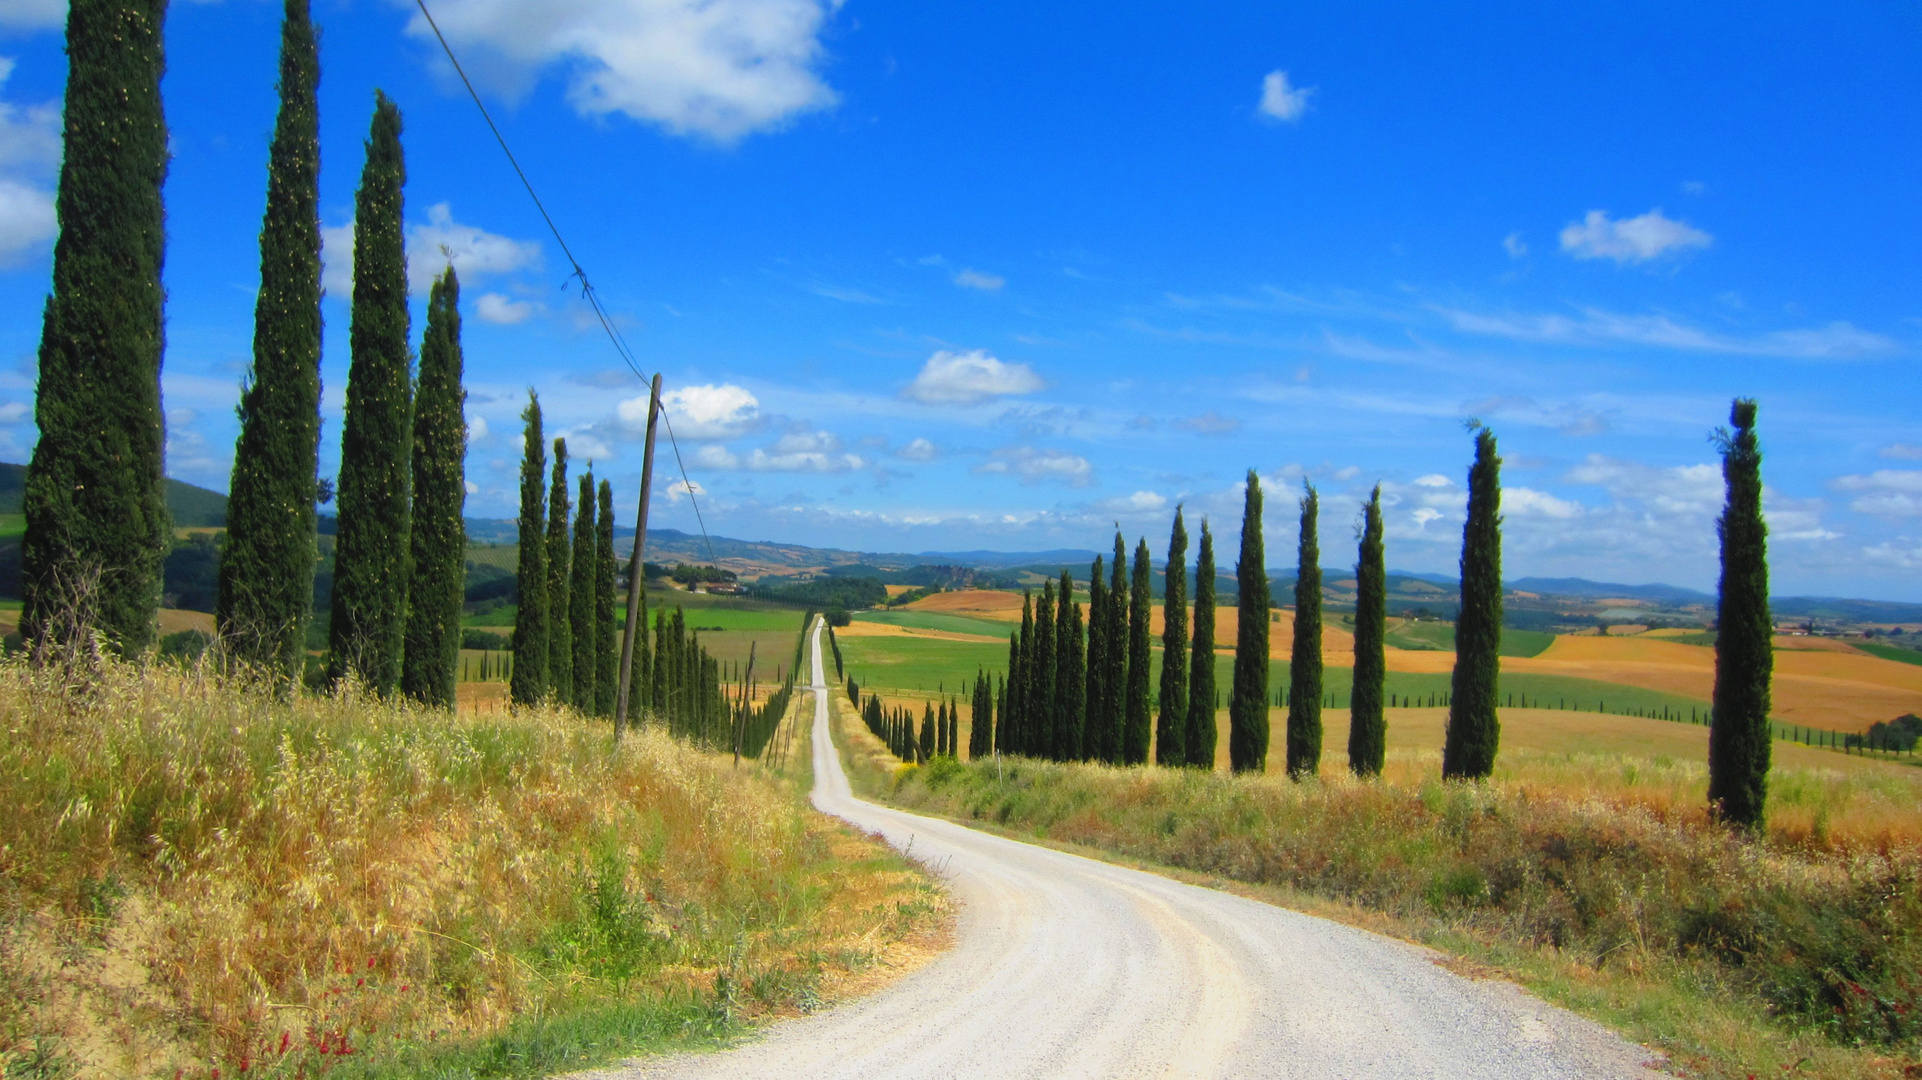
(1428, 636)
(1889, 652)
(921, 665)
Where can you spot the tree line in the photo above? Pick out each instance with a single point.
(1077, 690)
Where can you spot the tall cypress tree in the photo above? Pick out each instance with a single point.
(267, 567)
(529, 680)
(560, 581)
(1367, 725)
(1069, 684)
(376, 440)
(1041, 679)
(581, 597)
(1114, 694)
(1140, 727)
(1007, 739)
(1474, 730)
(1095, 682)
(437, 534)
(1027, 706)
(926, 746)
(95, 501)
(1171, 723)
(607, 673)
(1738, 738)
(1200, 740)
(1304, 670)
(1248, 701)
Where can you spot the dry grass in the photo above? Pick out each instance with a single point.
(197, 877)
(1594, 879)
(995, 604)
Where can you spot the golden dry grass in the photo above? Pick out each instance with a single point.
(996, 604)
(195, 876)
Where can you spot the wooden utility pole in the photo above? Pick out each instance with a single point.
(636, 568)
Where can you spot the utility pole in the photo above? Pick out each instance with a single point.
(636, 568)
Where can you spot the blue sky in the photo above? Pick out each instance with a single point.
(939, 276)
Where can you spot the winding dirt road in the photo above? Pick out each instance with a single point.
(1064, 966)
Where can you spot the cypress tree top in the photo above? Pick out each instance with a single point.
(1248, 702)
(1739, 738)
(1474, 730)
(267, 568)
(560, 568)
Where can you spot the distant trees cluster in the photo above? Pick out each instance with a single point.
(937, 735)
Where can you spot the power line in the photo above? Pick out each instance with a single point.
(587, 287)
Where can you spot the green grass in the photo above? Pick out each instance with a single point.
(1423, 636)
(919, 665)
(934, 620)
(1889, 652)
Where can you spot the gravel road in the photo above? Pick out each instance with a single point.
(1064, 966)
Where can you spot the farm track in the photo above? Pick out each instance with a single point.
(1065, 966)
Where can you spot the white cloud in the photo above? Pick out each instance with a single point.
(698, 412)
(1636, 239)
(29, 154)
(472, 488)
(918, 450)
(474, 252)
(476, 428)
(1902, 452)
(681, 489)
(337, 260)
(1141, 502)
(1687, 491)
(1512, 243)
(1033, 465)
(14, 411)
(33, 14)
(980, 279)
(1433, 480)
(1280, 101)
(1885, 492)
(721, 69)
(1836, 341)
(969, 378)
(1527, 502)
(502, 311)
(797, 451)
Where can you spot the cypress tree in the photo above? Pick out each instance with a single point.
(1738, 748)
(376, 441)
(1140, 729)
(1025, 705)
(927, 734)
(97, 526)
(581, 597)
(437, 533)
(1171, 723)
(1114, 692)
(1000, 714)
(267, 567)
(1248, 701)
(607, 672)
(1367, 725)
(1474, 730)
(1006, 738)
(1069, 678)
(529, 680)
(1094, 685)
(1041, 681)
(1304, 671)
(560, 580)
(1200, 741)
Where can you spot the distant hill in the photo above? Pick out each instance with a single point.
(192, 507)
(1598, 590)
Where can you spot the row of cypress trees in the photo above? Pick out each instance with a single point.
(937, 736)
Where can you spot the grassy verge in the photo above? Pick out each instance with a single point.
(196, 879)
(1794, 955)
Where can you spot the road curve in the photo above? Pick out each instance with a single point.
(1065, 966)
